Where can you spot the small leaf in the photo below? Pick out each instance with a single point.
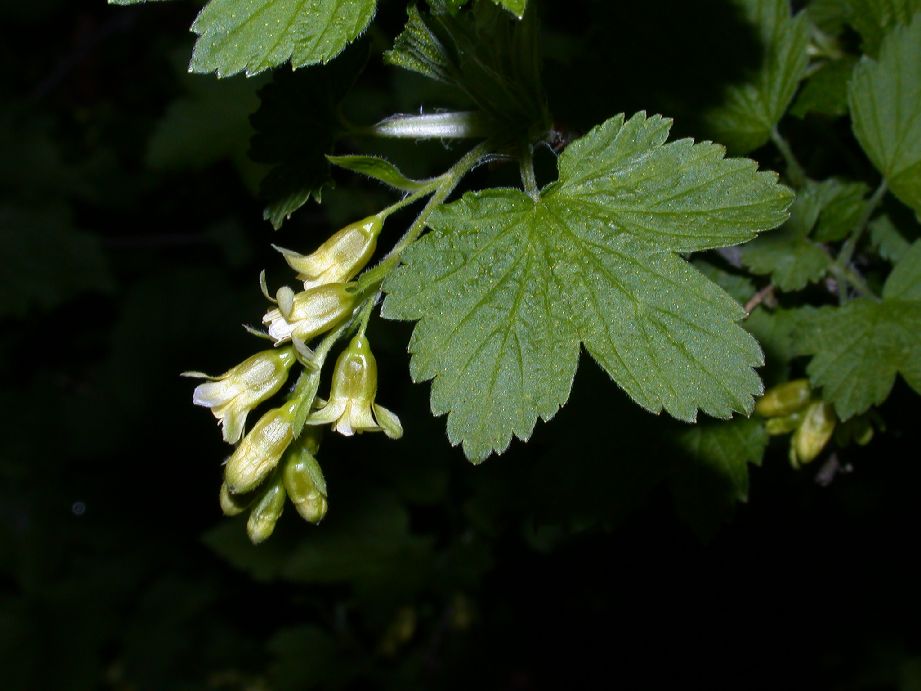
(874, 18)
(890, 243)
(750, 110)
(904, 283)
(789, 256)
(825, 91)
(859, 348)
(713, 477)
(379, 169)
(255, 35)
(885, 102)
(506, 288)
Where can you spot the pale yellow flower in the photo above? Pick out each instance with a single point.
(309, 313)
(240, 389)
(338, 259)
(351, 407)
(261, 450)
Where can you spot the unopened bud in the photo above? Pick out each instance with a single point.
(305, 484)
(784, 399)
(813, 433)
(232, 504)
(266, 512)
(783, 425)
(260, 450)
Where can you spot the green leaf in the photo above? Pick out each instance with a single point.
(859, 348)
(874, 18)
(506, 288)
(516, 7)
(825, 91)
(379, 169)
(208, 125)
(46, 260)
(713, 476)
(843, 204)
(750, 110)
(740, 288)
(885, 102)
(890, 243)
(255, 35)
(789, 256)
(904, 283)
(296, 125)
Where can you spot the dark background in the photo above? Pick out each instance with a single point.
(132, 238)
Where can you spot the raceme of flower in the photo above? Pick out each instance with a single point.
(310, 313)
(341, 257)
(236, 392)
(351, 407)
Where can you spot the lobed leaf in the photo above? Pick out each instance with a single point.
(751, 110)
(885, 102)
(251, 36)
(507, 288)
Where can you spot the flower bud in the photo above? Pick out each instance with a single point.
(351, 407)
(341, 257)
(232, 504)
(260, 450)
(236, 392)
(783, 425)
(266, 512)
(311, 313)
(813, 433)
(784, 399)
(305, 484)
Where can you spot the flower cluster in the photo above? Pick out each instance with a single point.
(276, 459)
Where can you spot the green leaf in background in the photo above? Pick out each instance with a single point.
(843, 204)
(874, 18)
(825, 91)
(296, 126)
(885, 102)
(506, 288)
(209, 124)
(255, 35)
(751, 110)
(859, 348)
(47, 261)
(707, 488)
(377, 168)
(788, 255)
(887, 239)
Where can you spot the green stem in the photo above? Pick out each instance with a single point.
(412, 198)
(369, 281)
(528, 179)
(795, 172)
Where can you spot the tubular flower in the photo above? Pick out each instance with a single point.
(236, 392)
(304, 481)
(261, 449)
(309, 313)
(351, 407)
(265, 513)
(339, 258)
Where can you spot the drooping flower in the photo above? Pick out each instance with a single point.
(304, 480)
(309, 313)
(340, 258)
(351, 407)
(265, 512)
(240, 389)
(261, 450)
